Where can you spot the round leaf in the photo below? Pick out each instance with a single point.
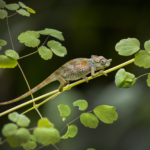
(2, 4)
(142, 59)
(46, 136)
(64, 110)
(106, 114)
(71, 132)
(3, 13)
(29, 145)
(6, 62)
(12, 54)
(44, 122)
(89, 120)
(45, 52)
(127, 47)
(2, 43)
(148, 80)
(9, 129)
(13, 116)
(30, 38)
(26, 7)
(23, 12)
(147, 46)
(57, 48)
(23, 121)
(81, 103)
(12, 6)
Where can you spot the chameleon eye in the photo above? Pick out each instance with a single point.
(103, 61)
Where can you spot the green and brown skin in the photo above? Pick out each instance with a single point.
(73, 70)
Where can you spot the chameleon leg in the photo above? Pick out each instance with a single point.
(93, 73)
(86, 79)
(63, 82)
(102, 72)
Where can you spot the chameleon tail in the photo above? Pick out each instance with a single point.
(48, 80)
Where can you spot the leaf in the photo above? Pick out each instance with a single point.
(45, 52)
(81, 103)
(23, 12)
(2, 43)
(12, 6)
(46, 136)
(148, 80)
(29, 145)
(71, 132)
(26, 7)
(20, 137)
(23, 121)
(89, 120)
(44, 122)
(91, 149)
(127, 47)
(13, 116)
(57, 48)
(12, 54)
(3, 14)
(64, 110)
(9, 129)
(29, 38)
(147, 46)
(142, 59)
(2, 4)
(52, 32)
(6, 62)
(32, 138)
(106, 114)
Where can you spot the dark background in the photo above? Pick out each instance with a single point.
(89, 27)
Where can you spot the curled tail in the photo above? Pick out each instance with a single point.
(48, 80)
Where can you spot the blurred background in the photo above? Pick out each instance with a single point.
(90, 27)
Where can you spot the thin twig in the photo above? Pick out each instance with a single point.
(28, 55)
(56, 147)
(45, 40)
(3, 142)
(143, 75)
(12, 15)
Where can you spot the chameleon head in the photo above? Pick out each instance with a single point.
(101, 62)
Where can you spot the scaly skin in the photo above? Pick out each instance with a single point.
(73, 70)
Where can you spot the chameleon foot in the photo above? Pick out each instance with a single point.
(102, 72)
(86, 79)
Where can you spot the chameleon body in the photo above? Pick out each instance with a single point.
(70, 71)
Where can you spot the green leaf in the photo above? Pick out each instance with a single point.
(30, 38)
(23, 121)
(127, 47)
(13, 116)
(20, 137)
(26, 7)
(142, 59)
(12, 6)
(45, 52)
(89, 120)
(81, 103)
(44, 122)
(124, 79)
(32, 138)
(3, 13)
(71, 132)
(64, 110)
(91, 149)
(52, 32)
(148, 80)
(23, 12)
(9, 129)
(106, 114)
(57, 48)
(147, 46)
(46, 136)
(12, 54)
(2, 4)
(30, 145)
(6, 62)
(2, 43)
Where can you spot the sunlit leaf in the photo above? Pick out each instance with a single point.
(82, 104)
(23, 12)
(30, 145)
(46, 136)
(3, 13)
(148, 80)
(127, 47)
(89, 120)
(71, 132)
(106, 114)
(142, 59)
(57, 48)
(64, 110)
(31, 10)
(2, 43)
(9, 129)
(2, 4)
(23, 121)
(91, 149)
(12, 6)
(13, 116)
(6, 62)
(44, 122)
(12, 54)
(29, 38)
(45, 52)
(52, 32)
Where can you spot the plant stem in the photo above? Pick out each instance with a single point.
(12, 15)
(28, 55)
(143, 75)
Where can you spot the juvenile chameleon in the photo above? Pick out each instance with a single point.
(70, 71)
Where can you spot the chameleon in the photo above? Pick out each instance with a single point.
(72, 70)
